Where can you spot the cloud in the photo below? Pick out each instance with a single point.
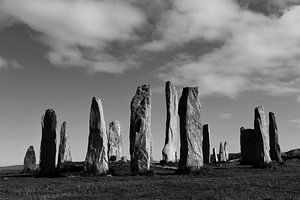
(79, 32)
(225, 116)
(7, 64)
(294, 123)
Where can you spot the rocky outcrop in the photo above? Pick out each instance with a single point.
(115, 141)
(222, 157)
(96, 161)
(169, 149)
(275, 152)
(214, 158)
(29, 160)
(191, 156)
(48, 144)
(64, 150)
(260, 128)
(206, 144)
(140, 130)
(226, 151)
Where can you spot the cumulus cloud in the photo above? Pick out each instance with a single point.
(225, 116)
(7, 64)
(79, 31)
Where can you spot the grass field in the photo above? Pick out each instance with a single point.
(227, 181)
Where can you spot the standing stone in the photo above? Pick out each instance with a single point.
(115, 141)
(275, 152)
(140, 130)
(48, 144)
(215, 156)
(30, 160)
(191, 157)
(169, 149)
(248, 146)
(226, 151)
(260, 127)
(64, 150)
(96, 161)
(222, 157)
(206, 144)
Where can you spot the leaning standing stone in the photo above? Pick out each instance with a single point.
(140, 130)
(64, 150)
(206, 144)
(30, 160)
(222, 157)
(191, 157)
(115, 141)
(96, 161)
(275, 152)
(48, 144)
(169, 149)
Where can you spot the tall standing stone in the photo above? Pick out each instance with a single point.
(222, 157)
(115, 141)
(260, 128)
(275, 152)
(169, 149)
(248, 146)
(30, 160)
(206, 144)
(215, 156)
(140, 130)
(191, 156)
(48, 144)
(64, 150)
(226, 151)
(96, 161)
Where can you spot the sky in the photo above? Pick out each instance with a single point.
(59, 54)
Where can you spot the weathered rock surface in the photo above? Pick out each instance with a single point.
(214, 158)
(64, 150)
(248, 146)
(260, 127)
(226, 151)
(48, 144)
(124, 159)
(222, 157)
(96, 161)
(275, 152)
(115, 141)
(30, 160)
(140, 130)
(191, 156)
(169, 150)
(206, 144)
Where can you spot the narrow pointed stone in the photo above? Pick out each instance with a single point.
(96, 161)
(222, 157)
(191, 156)
(169, 149)
(206, 144)
(261, 130)
(115, 141)
(226, 151)
(140, 130)
(275, 152)
(214, 156)
(30, 160)
(64, 150)
(48, 144)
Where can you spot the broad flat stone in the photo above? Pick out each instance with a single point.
(206, 144)
(48, 144)
(30, 160)
(64, 150)
(115, 141)
(169, 149)
(191, 156)
(275, 152)
(248, 146)
(96, 161)
(140, 130)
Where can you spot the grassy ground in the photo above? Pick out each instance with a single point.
(227, 181)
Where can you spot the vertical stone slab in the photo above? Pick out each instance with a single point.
(206, 144)
(260, 128)
(222, 157)
(64, 150)
(191, 156)
(96, 161)
(48, 144)
(275, 152)
(169, 150)
(140, 130)
(214, 156)
(115, 141)
(226, 151)
(29, 160)
(248, 146)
